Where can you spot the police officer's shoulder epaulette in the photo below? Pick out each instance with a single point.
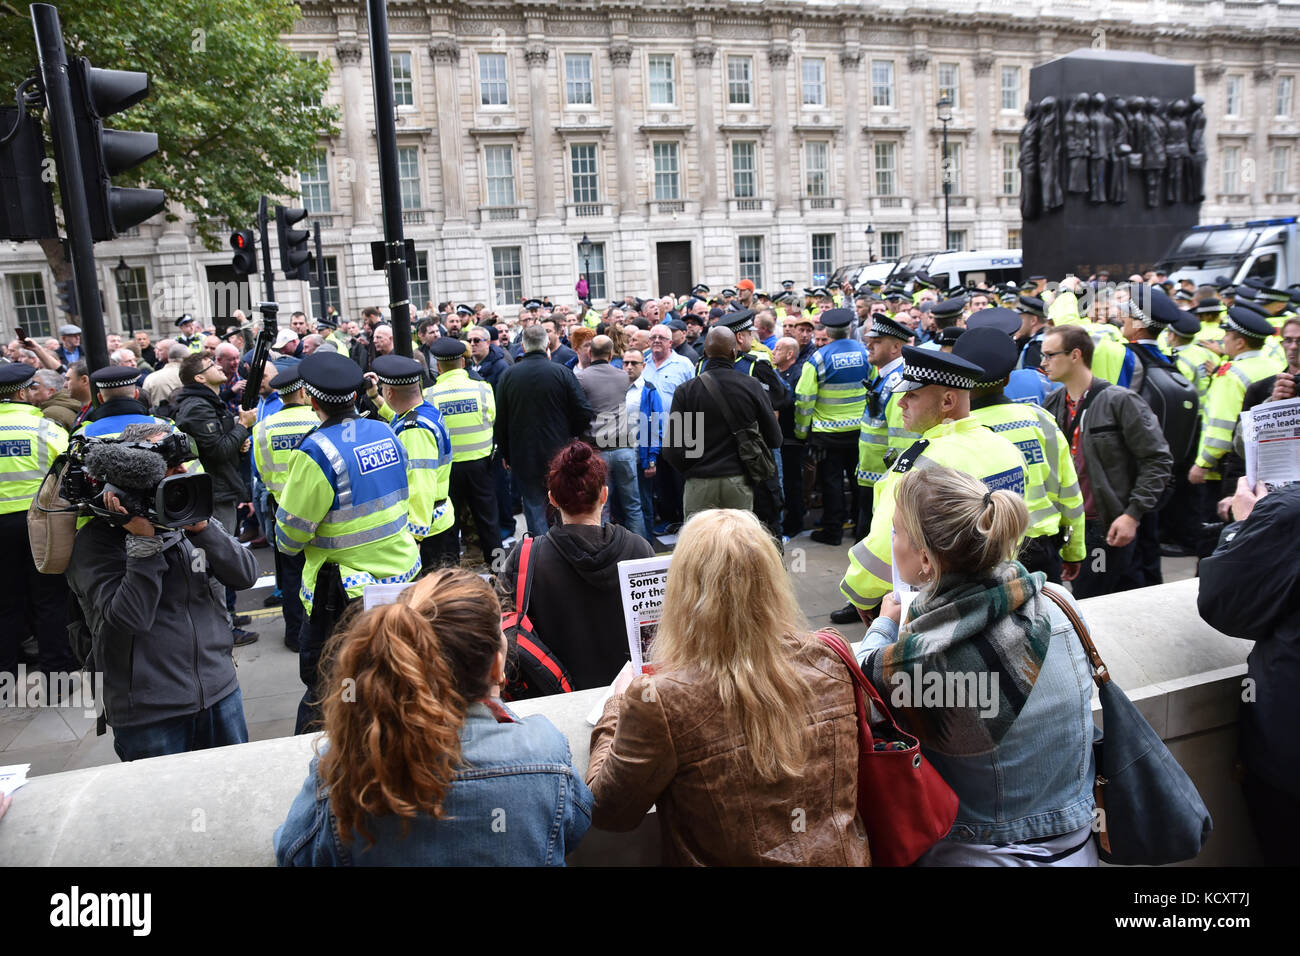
(909, 458)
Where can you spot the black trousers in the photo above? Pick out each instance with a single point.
(330, 604)
(669, 486)
(473, 491)
(841, 460)
(767, 506)
(866, 504)
(1272, 817)
(31, 603)
(1104, 568)
(1042, 554)
(441, 550)
(288, 575)
(1145, 570)
(792, 459)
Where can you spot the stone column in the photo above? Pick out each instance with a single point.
(851, 62)
(446, 55)
(983, 191)
(620, 55)
(705, 127)
(778, 57)
(1265, 75)
(353, 171)
(918, 62)
(537, 55)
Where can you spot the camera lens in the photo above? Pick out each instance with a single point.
(184, 500)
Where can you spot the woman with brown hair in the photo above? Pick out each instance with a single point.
(745, 736)
(424, 765)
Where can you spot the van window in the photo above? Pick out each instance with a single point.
(1265, 268)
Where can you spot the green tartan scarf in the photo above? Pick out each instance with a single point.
(967, 658)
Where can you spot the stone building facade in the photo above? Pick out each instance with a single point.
(707, 140)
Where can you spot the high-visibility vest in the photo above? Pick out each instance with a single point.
(965, 445)
(345, 501)
(274, 439)
(428, 469)
(884, 430)
(830, 396)
(468, 410)
(1223, 403)
(1113, 362)
(29, 443)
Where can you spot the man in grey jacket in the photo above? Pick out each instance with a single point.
(606, 391)
(1120, 453)
(152, 600)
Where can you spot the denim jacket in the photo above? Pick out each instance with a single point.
(515, 801)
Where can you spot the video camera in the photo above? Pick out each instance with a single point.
(136, 472)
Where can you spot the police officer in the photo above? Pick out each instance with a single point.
(274, 439)
(469, 411)
(829, 402)
(1023, 384)
(935, 403)
(30, 602)
(948, 314)
(1033, 328)
(190, 335)
(344, 506)
(1054, 539)
(119, 404)
(420, 429)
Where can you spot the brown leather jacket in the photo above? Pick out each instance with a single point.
(668, 743)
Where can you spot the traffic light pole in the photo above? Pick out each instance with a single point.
(390, 194)
(72, 185)
(320, 273)
(265, 338)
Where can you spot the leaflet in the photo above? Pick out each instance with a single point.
(1271, 438)
(643, 583)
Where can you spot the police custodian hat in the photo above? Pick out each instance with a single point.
(989, 348)
(331, 377)
(15, 376)
(447, 348)
(922, 367)
(397, 370)
(114, 376)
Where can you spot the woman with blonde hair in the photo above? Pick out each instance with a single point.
(744, 735)
(424, 763)
(989, 675)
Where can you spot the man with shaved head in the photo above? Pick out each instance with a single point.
(616, 435)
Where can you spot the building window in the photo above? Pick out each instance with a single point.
(882, 83)
(420, 291)
(886, 169)
(408, 176)
(751, 259)
(313, 101)
(492, 87)
(1013, 238)
(1284, 86)
(814, 82)
(507, 275)
(499, 162)
(586, 180)
(740, 81)
(1011, 169)
(667, 183)
(30, 309)
(816, 161)
(948, 83)
(951, 168)
(133, 299)
(593, 267)
(1233, 86)
(315, 181)
(577, 80)
(891, 245)
(1231, 169)
(1011, 88)
(403, 80)
(957, 240)
(663, 86)
(330, 266)
(823, 256)
(743, 163)
(1281, 169)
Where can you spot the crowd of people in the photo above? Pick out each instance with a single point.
(982, 444)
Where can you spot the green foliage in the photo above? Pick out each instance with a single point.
(233, 108)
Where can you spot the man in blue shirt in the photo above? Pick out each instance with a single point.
(666, 370)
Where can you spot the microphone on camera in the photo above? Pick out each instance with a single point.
(116, 464)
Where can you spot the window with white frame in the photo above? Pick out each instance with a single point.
(493, 89)
(586, 176)
(499, 165)
(408, 176)
(823, 256)
(133, 298)
(886, 168)
(1010, 169)
(593, 267)
(663, 79)
(957, 240)
(403, 80)
(1282, 102)
(1011, 88)
(750, 255)
(1232, 86)
(948, 83)
(744, 164)
(952, 164)
(1013, 238)
(578, 88)
(314, 178)
(891, 244)
(813, 71)
(882, 82)
(330, 267)
(667, 172)
(817, 165)
(507, 275)
(418, 278)
(1281, 172)
(313, 101)
(740, 81)
(30, 308)
(1231, 156)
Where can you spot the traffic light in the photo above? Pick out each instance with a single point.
(26, 206)
(68, 297)
(294, 255)
(244, 242)
(105, 153)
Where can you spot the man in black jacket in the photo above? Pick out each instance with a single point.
(221, 442)
(701, 445)
(540, 407)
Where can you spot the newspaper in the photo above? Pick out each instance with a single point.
(642, 583)
(903, 591)
(13, 777)
(1271, 438)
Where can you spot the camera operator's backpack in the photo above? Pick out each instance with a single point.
(531, 669)
(52, 522)
(1175, 403)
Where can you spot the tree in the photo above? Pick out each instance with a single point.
(236, 112)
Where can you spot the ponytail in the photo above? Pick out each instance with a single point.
(963, 525)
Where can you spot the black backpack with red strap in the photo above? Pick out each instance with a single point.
(531, 669)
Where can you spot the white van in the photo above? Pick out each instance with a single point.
(1266, 249)
(988, 267)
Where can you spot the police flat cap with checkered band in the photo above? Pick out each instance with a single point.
(286, 381)
(15, 376)
(738, 320)
(114, 376)
(331, 377)
(922, 367)
(1247, 322)
(397, 370)
(1208, 305)
(447, 348)
(882, 327)
(465, 311)
(949, 308)
(1031, 304)
(989, 348)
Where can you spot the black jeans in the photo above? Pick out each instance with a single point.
(31, 603)
(840, 460)
(669, 486)
(1104, 568)
(792, 458)
(473, 491)
(330, 604)
(441, 550)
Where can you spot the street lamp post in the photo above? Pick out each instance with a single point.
(871, 235)
(122, 272)
(584, 250)
(945, 117)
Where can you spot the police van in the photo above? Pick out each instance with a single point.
(950, 269)
(1265, 249)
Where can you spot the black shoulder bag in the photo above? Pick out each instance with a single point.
(756, 458)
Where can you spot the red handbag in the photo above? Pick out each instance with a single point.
(905, 805)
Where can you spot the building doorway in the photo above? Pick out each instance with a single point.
(674, 262)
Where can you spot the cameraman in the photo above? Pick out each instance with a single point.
(152, 599)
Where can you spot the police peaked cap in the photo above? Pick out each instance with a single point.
(882, 327)
(286, 380)
(1247, 322)
(949, 307)
(837, 318)
(465, 310)
(397, 370)
(114, 376)
(447, 348)
(991, 349)
(1032, 305)
(15, 376)
(738, 320)
(1004, 320)
(331, 377)
(922, 367)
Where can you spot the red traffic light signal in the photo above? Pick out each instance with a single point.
(244, 242)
